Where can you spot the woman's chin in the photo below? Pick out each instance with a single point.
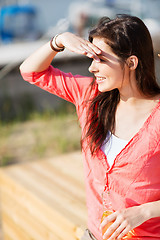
(104, 88)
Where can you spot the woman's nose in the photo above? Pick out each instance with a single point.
(93, 67)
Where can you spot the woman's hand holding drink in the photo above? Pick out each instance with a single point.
(105, 227)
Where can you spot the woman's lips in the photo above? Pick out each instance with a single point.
(99, 79)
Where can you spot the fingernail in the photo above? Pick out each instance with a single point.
(97, 60)
(99, 51)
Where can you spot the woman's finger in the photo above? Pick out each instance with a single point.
(95, 48)
(124, 232)
(90, 52)
(108, 219)
(91, 47)
(86, 53)
(118, 228)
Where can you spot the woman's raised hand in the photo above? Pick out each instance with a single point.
(78, 45)
(42, 58)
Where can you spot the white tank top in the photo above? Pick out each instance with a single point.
(113, 147)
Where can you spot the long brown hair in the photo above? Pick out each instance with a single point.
(126, 35)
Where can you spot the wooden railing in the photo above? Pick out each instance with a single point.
(44, 200)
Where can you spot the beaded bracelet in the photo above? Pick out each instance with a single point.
(54, 45)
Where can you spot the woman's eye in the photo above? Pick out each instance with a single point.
(102, 60)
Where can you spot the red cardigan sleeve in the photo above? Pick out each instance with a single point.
(65, 85)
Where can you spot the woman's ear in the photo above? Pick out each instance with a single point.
(132, 62)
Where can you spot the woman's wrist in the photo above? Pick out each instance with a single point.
(150, 210)
(58, 40)
(55, 45)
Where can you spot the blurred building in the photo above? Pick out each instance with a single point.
(32, 19)
(83, 16)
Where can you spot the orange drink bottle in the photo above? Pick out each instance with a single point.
(104, 229)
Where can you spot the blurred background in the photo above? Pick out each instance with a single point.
(33, 123)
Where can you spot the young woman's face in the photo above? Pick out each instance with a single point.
(108, 72)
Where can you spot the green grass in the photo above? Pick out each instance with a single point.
(43, 135)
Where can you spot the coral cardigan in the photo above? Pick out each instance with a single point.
(134, 177)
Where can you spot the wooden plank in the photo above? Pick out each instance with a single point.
(34, 225)
(34, 204)
(13, 231)
(44, 199)
(54, 195)
(25, 225)
(53, 178)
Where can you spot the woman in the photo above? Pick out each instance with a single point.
(119, 112)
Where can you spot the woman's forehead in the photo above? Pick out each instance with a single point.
(105, 48)
(101, 43)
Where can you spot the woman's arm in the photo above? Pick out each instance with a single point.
(129, 218)
(39, 60)
(42, 58)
